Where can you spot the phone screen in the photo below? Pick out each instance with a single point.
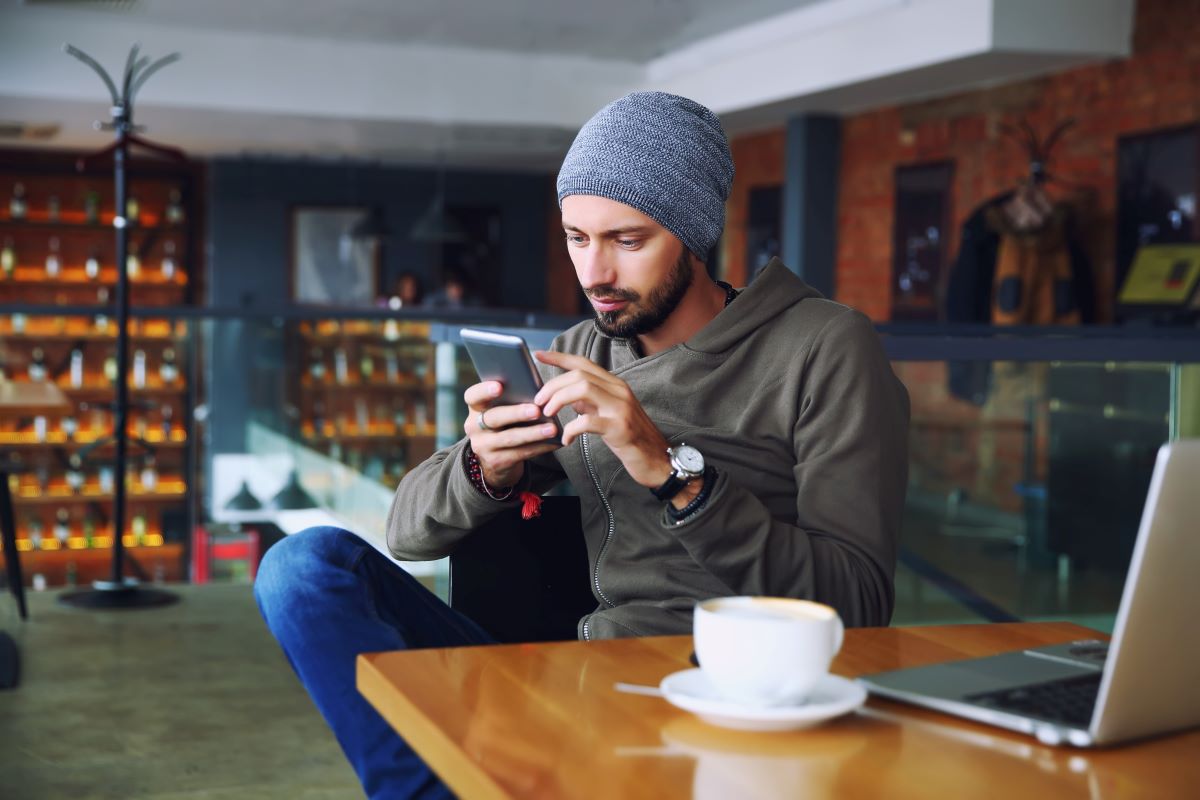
(505, 358)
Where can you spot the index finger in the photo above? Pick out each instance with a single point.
(480, 395)
(570, 361)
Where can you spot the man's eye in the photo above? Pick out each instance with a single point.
(627, 242)
(574, 238)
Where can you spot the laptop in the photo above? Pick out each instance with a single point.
(1084, 693)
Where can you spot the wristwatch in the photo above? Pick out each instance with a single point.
(687, 464)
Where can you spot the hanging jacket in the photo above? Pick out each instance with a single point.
(971, 290)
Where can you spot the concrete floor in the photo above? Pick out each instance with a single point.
(181, 703)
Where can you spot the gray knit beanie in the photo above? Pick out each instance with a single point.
(662, 154)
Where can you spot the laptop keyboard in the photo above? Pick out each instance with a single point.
(1069, 700)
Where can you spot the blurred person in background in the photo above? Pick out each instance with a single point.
(457, 291)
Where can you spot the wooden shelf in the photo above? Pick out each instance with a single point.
(94, 562)
(52, 499)
(357, 386)
(429, 432)
(56, 440)
(76, 278)
(81, 226)
(105, 392)
(90, 335)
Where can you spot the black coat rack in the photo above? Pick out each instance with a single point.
(120, 591)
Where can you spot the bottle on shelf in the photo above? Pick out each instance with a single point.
(34, 527)
(91, 207)
(391, 330)
(318, 419)
(420, 414)
(53, 208)
(8, 259)
(139, 369)
(168, 261)
(392, 367)
(107, 479)
(37, 365)
(76, 370)
(89, 529)
(110, 368)
(167, 370)
(149, 476)
(138, 527)
(62, 526)
(316, 366)
(174, 211)
(341, 366)
(91, 267)
(17, 205)
(133, 263)
(361, 418)
(366, 367)
(53, 263)
(39, 428)
(133, 210)
(74, 474)
(70, 426)
(18, 322)
(167, 413)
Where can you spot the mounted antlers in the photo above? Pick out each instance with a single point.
(1038, 150)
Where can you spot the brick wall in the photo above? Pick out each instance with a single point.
(956, 445)
(1158, 87)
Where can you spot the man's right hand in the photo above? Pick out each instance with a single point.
(502, 450)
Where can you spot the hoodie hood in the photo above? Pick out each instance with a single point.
(774, 291)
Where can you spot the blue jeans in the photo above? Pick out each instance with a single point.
(327, 596)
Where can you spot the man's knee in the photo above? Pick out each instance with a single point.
(290, 568)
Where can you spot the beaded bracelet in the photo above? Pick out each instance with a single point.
(475, 475)
(710, 477)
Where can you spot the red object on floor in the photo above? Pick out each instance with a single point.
(244, 547)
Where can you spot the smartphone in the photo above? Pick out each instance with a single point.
(506, 358)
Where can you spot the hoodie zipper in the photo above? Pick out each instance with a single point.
(612, 524)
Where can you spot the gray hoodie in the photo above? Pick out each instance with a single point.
(792, 399)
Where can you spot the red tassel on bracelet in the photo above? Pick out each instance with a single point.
(531, 505)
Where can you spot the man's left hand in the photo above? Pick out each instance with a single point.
(607, 408)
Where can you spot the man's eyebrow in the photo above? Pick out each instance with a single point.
(612, 231)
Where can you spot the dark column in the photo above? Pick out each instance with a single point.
(813, 156)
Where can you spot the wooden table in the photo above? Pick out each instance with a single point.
(543, 720)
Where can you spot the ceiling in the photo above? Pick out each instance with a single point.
(624, 30)
(505, 84)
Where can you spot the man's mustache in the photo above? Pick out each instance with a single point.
(611, 293)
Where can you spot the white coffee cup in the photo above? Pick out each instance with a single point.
(765, 651)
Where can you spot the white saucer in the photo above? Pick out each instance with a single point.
(691, 691)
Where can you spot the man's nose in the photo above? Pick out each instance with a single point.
(595, 268)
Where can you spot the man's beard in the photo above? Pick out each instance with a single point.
(625, 323)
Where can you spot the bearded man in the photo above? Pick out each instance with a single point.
(723, 442)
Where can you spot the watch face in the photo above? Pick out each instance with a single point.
(689, 459)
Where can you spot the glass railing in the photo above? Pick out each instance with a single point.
(1030, 453)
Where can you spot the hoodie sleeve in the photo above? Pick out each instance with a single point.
(850, 439)
(436, 506)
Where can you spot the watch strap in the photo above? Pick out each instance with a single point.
(672, 486)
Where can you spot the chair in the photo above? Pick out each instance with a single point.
(525, 580)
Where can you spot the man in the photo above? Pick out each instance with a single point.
(722, 442)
